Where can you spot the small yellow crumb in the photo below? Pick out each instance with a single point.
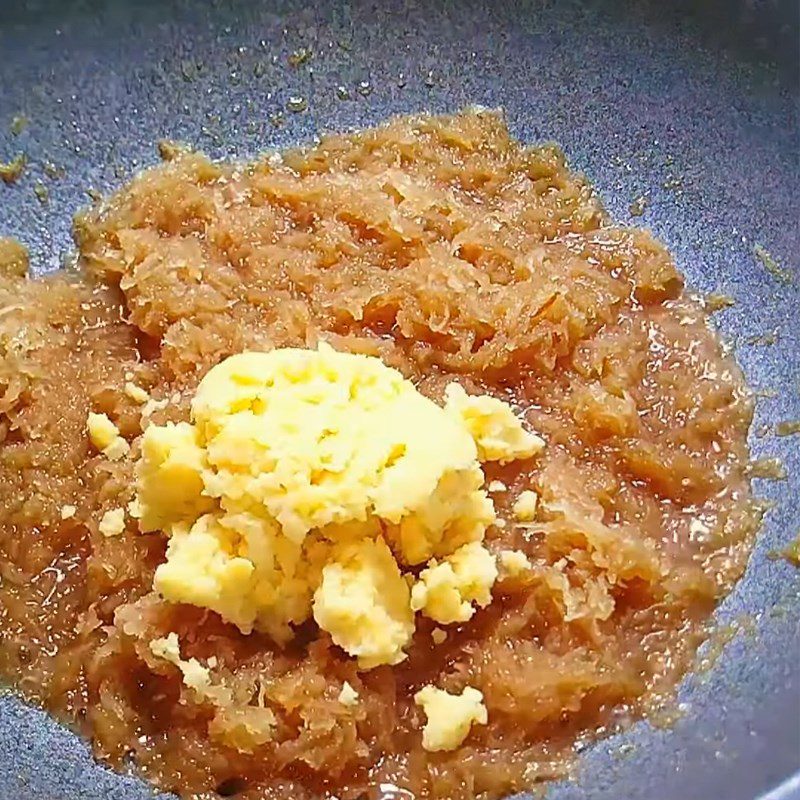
(450, 716)
(525, 506)
(514, 562)
(438, 635)
(136, 393)
(348, 696)
(68, 511)
(151, 406)
(113, 522)
(445, 591)
(497, 486)
(499, 435)
(104, 435)
(195, 675)
(168, 648)
(117, 450)
(212, 662)
(176, 398)
(102, 431)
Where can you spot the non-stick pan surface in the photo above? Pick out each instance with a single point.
(695, 112)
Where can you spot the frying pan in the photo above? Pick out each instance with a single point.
(691, 106)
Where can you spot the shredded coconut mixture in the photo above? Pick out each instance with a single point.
(608, 526)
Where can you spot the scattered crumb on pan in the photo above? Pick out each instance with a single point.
(638, 206)
(770, 263)
(788, 427)
(790, 553)
(763, 339)
(42, 193)
(768, 468)
(170, 149)
(718, 302)
(53, 171)
(18, 124)
(11, 171)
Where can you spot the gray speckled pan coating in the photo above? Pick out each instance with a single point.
(700, 115)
